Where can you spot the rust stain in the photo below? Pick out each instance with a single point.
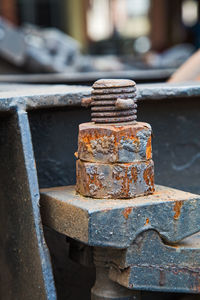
(127, 212)
(113, 135)
(120, 176)
(134, 174)
(125, 179)
(125, 183)
(148, 149)
(149, 178)
(147, 222)
(177, 209)
(86, 101)
(103, 138)
(84, 180)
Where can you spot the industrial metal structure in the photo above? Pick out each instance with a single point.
(148, 242)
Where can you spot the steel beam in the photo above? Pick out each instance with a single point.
(24, 259)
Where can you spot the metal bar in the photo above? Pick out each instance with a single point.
(25, 265)
(113, 223)
(32, 97)
(150, 264)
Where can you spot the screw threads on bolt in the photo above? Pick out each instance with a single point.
(113, 101)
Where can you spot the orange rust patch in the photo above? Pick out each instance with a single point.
(148, 149)
(177, 209)
(147, 222)
(126, 180)
(103, 137)
(87, 135)
(127, 212)
(84, 180)
(134, 174)
(149, 177)
(94, 179)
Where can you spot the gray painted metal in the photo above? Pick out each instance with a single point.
(116, 223)
(25, 265)
(32, 97)
(150, 264)
(137, 228)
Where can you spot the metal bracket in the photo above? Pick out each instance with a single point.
(112, 223)
(137, 227)
(150, 264)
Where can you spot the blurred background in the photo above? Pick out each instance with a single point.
(86, 35)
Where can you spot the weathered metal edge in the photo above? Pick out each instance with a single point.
(171, 217)
(29, 162)
(41, 96)
(161, 267)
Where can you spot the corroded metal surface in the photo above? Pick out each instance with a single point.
(124, 180)
(25, 268)
(114, 143)
(34, 97)
(117, 92)
(112, 223)
(113, 83)
(114, 159)
(151, 264)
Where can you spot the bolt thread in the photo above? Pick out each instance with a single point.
(114, 101)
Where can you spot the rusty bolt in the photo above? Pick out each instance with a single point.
(114, 151)
(113, 101)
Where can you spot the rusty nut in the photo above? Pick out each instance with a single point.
(124, 180)
(114, 143)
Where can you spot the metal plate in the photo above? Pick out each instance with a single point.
(150, 264)
(116, 223)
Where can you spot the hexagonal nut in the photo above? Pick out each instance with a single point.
(125, 180)
(114, 143)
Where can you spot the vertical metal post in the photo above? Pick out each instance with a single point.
(25, 265)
